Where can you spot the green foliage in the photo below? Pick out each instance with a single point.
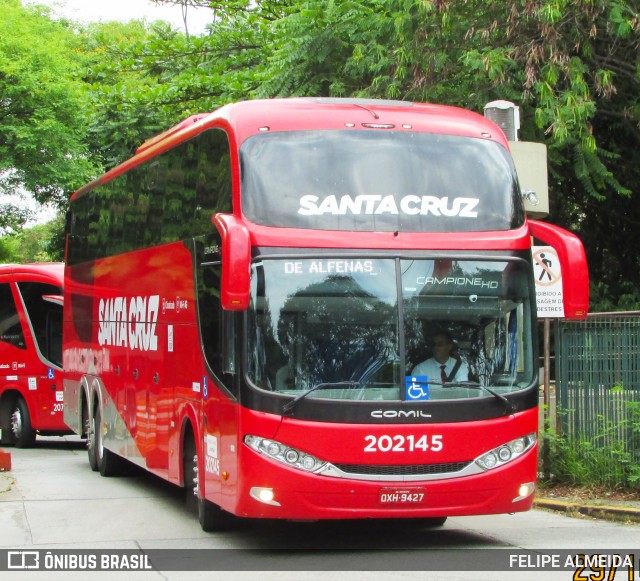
(565, 63)
(468, 53)
(41, 139)
(625, 298)
(40, 243)
(14, 212)
(145, 80)
(327, 48)
(607, 458)
(79, 99)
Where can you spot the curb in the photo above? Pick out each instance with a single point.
(617, 513)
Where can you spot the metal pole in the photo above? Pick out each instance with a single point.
(546, 395)
(547, 367)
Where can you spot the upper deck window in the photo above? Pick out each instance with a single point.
(384, 181)
(170, 197)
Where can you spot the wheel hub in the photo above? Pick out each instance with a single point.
(16, 423)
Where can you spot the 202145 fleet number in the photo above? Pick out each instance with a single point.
(401, 443)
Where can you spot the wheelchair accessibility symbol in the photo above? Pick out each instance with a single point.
(417, 388)
(51, 373)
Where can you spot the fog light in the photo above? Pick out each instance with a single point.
(264, 495)
(525, 490)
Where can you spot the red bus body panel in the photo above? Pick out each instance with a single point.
(308, 496)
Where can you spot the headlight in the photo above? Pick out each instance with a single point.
(507, 452)
(284, 454)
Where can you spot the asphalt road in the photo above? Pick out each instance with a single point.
(52, 504)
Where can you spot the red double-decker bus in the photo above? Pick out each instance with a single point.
(253, 301)
(31, 396)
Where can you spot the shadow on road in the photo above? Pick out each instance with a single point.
(51, 443)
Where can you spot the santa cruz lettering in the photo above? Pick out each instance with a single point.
(375, 205)
(129, 322)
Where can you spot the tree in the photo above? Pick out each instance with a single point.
(185, 5)
(144, 81)
(41, 133)
(39, 243)
(121, 92)
(571, 65)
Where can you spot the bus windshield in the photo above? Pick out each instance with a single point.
(383, 181)
(364, 328)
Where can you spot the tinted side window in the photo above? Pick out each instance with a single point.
(390, 181)
(10, 328)
(45, 318)
(216, 325)
(169, 198)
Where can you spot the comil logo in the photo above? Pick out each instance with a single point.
(129, 322)
(378, 205)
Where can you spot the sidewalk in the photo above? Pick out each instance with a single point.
(627, 511)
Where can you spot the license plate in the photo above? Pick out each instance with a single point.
(402, 495)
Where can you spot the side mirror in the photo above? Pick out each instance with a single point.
(236, 262)
(573, 261)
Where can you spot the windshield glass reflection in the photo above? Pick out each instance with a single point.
(379, 181)
(333, 326)
(325, 321)
(473, 317)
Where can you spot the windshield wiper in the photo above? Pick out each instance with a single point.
(509, 409)
(288, 407)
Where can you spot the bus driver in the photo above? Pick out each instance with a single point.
(445, 365)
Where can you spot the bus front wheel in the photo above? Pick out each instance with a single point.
(431, 523)
(22, 433)
(210, 515)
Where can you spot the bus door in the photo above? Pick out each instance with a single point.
(41, 308)
(219, 379)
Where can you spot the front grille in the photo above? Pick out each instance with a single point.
(402, 470)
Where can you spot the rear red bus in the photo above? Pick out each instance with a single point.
(31, 396)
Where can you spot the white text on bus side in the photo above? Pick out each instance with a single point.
(374, 204)
(129, 322)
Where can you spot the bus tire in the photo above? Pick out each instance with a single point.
(109, 464)
(433, 522)
(22, 433)
(92, 444)
(210, 515)
(189, 474)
